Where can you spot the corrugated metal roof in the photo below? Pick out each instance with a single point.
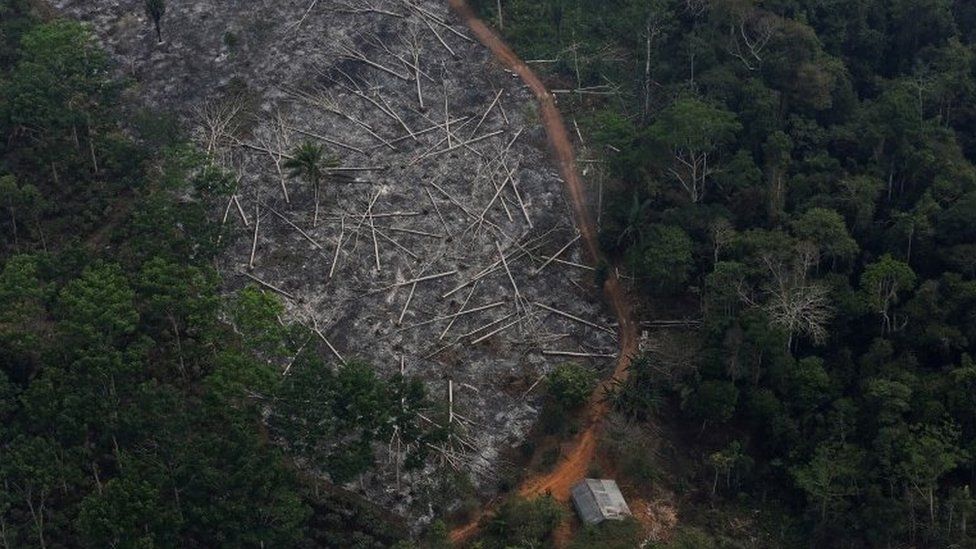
(597, 500)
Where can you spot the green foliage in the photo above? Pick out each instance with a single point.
(99, 306)
(570, 385)
(664, 258)
(334, 418)
(688, 537)
(611, 534)
(692, 130)
(692, 125)
(642, 393)
(714, 401)
(308, 161)
(132, 395)
(820, 161)
(826, 229)
(522, 523)
(60, 79)
(883, 282)
(831, 476)
(255, 313)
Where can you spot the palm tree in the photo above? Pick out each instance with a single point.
(309, 162)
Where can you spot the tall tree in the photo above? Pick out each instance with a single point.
(831, 475)
(693, 131)
(883, 282)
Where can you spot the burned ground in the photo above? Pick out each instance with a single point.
(444, 201)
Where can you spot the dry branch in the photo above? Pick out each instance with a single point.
(328, 344)
(296, 227)
(240, 210)
(487, 112)
(557, 254)
(496, 331)
(579, 355)
(413, 288)
(328, 140)
(573, 317)
(463, 144)
(357, 55)
(463, 305)
(335, 258)
(254, 241)
(271, 287)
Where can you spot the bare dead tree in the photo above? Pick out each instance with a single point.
(695, 173)
(793, 302)
(748, 35)
(220, 121)
(276, 143)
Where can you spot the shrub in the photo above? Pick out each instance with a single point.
(570, 385)
(523, 523)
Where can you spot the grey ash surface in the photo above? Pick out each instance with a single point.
(254, 78)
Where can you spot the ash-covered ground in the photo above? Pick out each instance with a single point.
(442, 173)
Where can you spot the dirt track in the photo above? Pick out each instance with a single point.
(577, 459)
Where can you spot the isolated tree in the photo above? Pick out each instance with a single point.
(155, 9)
(308, 161)
(693, 131)
(882, 282)
(570, 385)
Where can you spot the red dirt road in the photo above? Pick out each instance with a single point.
(580, 454)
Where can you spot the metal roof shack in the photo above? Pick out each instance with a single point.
(597, 500)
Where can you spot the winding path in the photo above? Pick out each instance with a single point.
(577, 459)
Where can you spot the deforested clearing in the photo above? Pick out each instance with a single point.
(439, 243)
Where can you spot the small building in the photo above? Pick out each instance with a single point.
(597, 500)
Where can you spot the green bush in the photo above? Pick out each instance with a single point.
(570, 385)
(523, 523)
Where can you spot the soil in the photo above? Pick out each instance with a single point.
(583, 448)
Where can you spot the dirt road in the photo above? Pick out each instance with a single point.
(577, 459)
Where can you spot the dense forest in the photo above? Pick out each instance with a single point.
(140, 406)
(799, 175)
